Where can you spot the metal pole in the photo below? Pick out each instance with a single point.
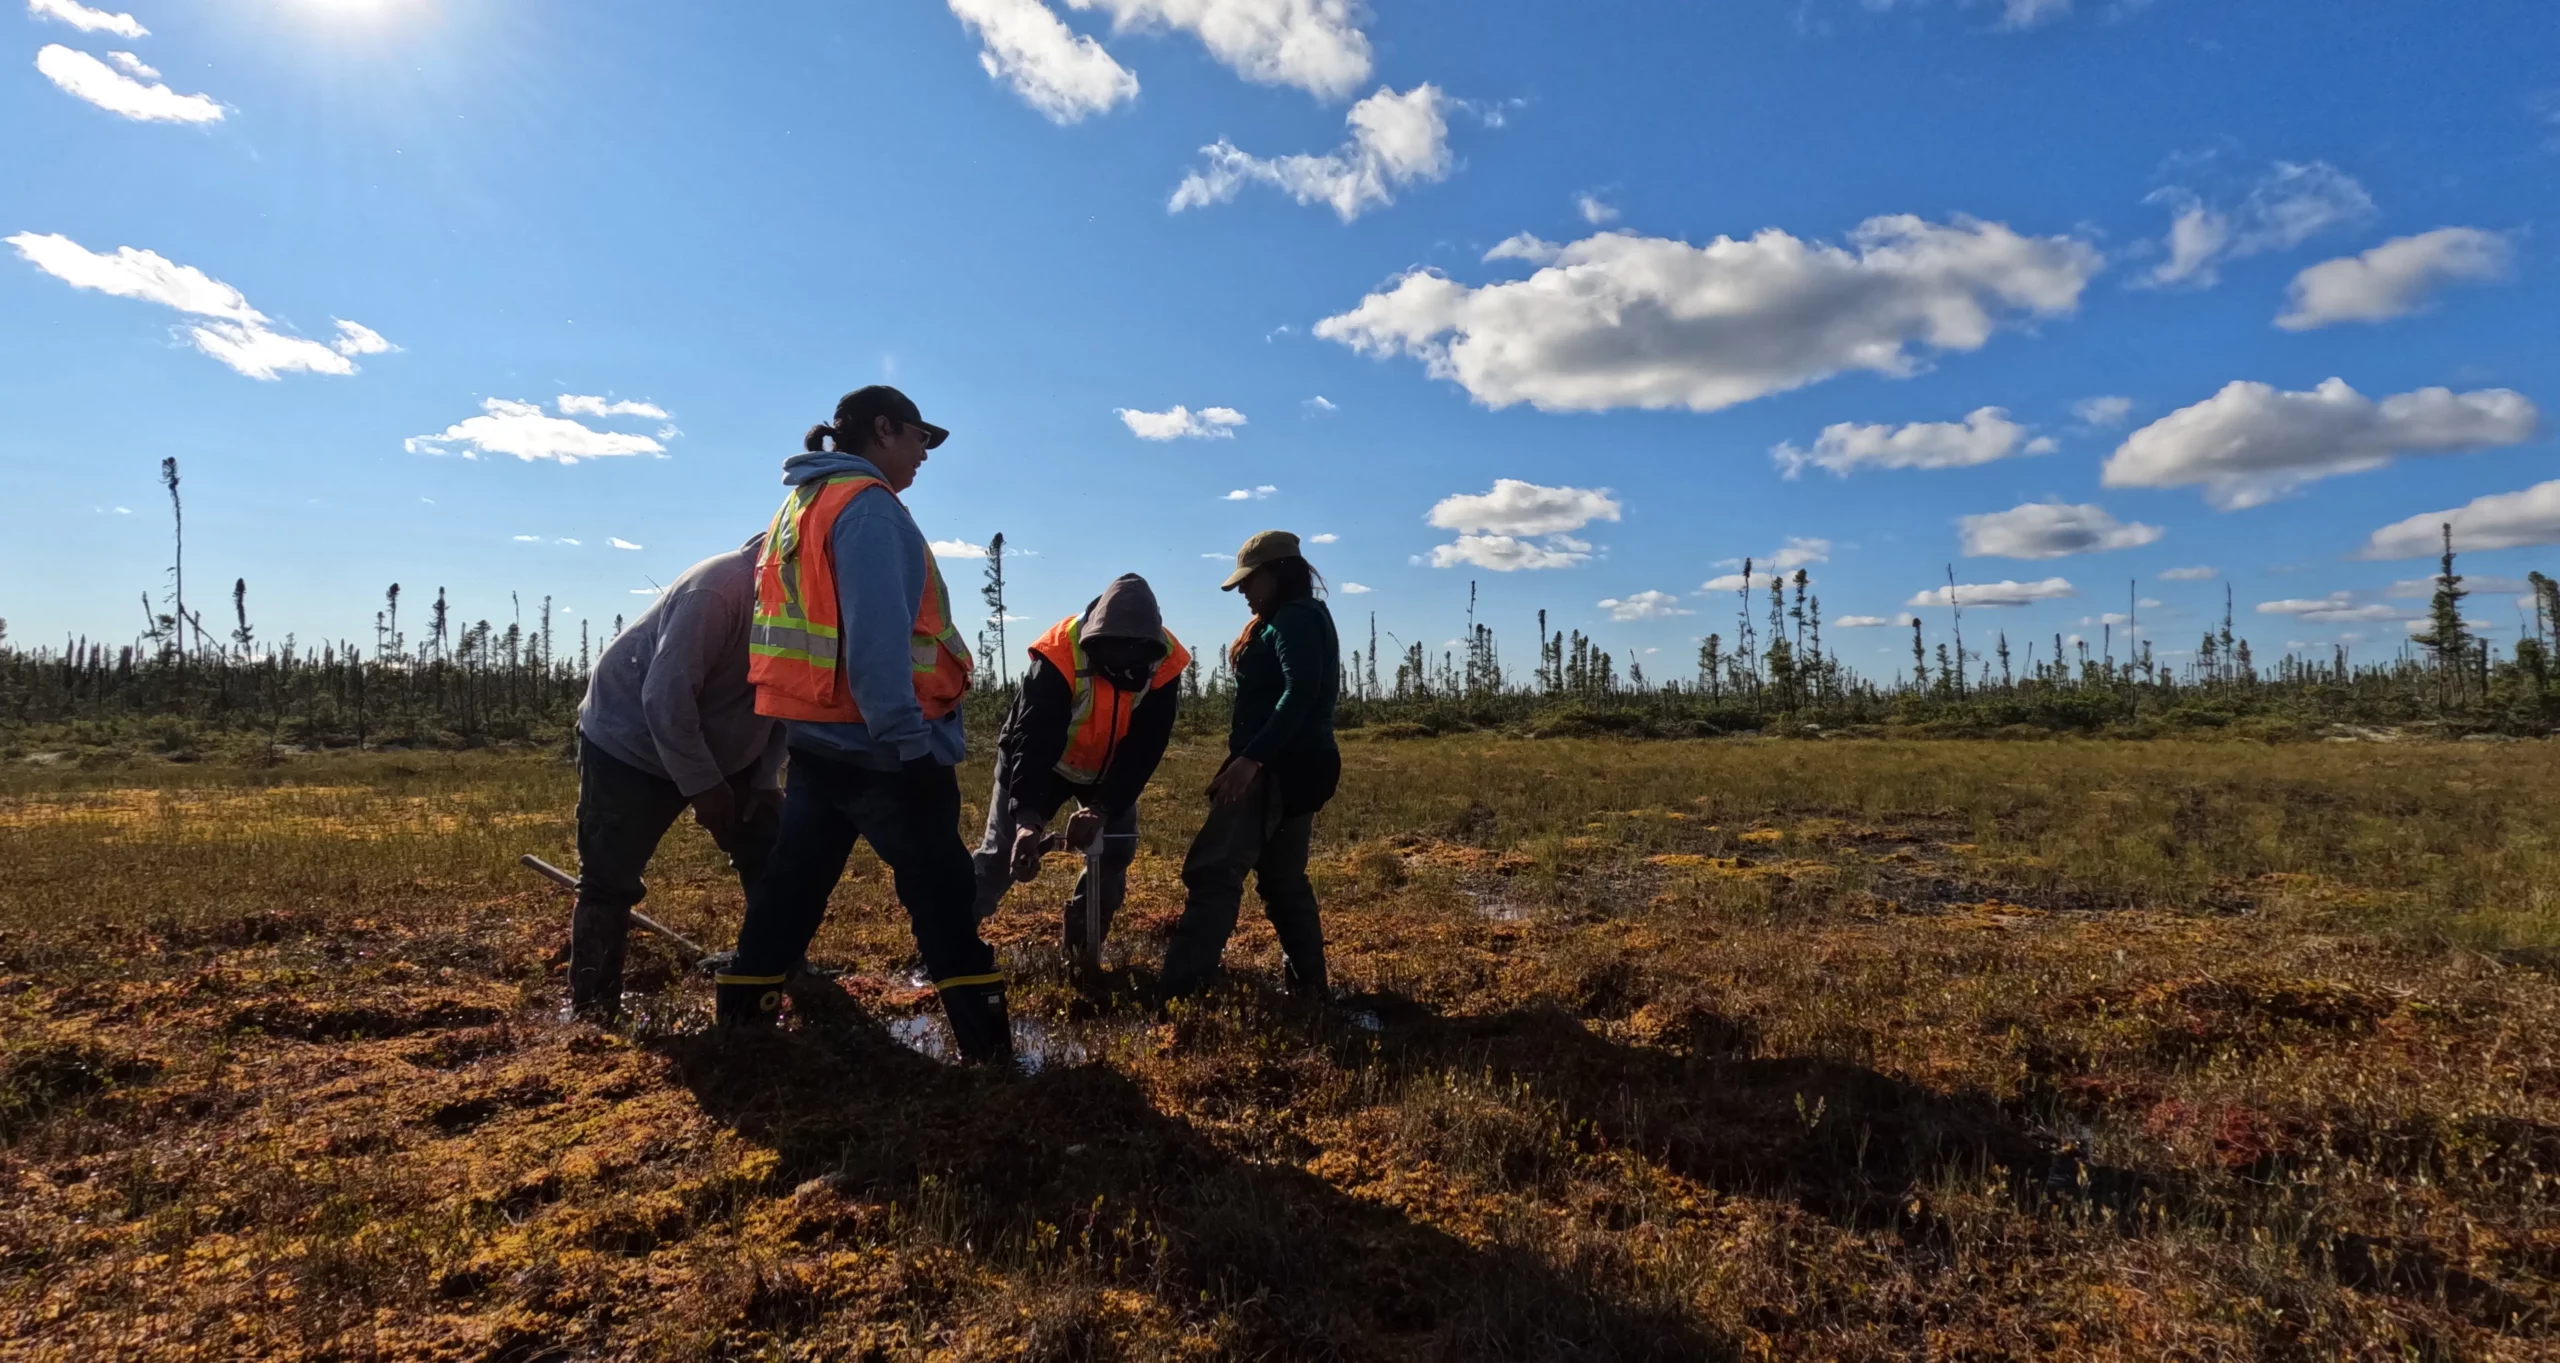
(567, 881)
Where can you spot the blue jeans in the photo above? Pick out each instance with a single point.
(912, 818)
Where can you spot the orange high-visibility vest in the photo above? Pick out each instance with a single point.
(1101, 716)
(795, 645)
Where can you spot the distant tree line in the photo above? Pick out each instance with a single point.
(457, 683)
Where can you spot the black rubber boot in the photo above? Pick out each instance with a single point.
(598, 937)
(979, 1024)
(1304, 977)
(744, 1002)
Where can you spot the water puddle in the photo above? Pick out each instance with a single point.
(1036, 1045)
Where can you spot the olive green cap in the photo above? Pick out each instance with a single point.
(1270, 546)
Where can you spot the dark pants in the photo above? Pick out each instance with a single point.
(912, 818)
(1250, 835)
(994, 859)
(623, 812)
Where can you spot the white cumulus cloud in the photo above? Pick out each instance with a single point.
(87, 20)
(1250, 494)
(2050, 530)
(1326, 538)
(85, 77)
(1396, 140)
(523, 429)
(229, 330)
(1619, 320)
(1059, 72)
(619, 542)
(1593, 211)
(2002, 593)
(1644, 606)
(1354, 589)
(134, 66)
(1868, 621)
(2289, 206)
(2394, 279)
(957, 549)
(2199, 573)
(1508, 553)
(2503, 520)
(571, 404)
(1181, 423)
(1984, 435)
(1314, 45)
(2252, 443)
(1515, 507)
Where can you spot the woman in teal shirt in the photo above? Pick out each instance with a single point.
(1282, 766)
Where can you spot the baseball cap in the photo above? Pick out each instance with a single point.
(858, 407)
(1270, 546)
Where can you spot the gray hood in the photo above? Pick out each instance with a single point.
(1125, 610)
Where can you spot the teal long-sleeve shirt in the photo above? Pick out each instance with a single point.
(1286, 685)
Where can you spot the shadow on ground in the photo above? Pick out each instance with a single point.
(1275, 1261)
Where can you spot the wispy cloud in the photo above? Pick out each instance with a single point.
(523, 429)
(85, 77)
(1396, 140)
(231, 331)
(570, 404)
(2289, 206)
(1644, 606)
(619, 542)
(1181, 423)
(87, 20)
(1254, 494)
(1059, 72)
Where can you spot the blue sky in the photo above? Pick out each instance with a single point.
(1598, 300)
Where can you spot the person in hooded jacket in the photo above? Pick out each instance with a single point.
(1091, 722)
(855, 645)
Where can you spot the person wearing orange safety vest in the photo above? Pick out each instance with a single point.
(1091, 721)
(853, 645)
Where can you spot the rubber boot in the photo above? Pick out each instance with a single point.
(747, 1002)
(598, 937)
(1303, 976)
(976, 1013)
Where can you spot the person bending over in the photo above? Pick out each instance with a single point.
(1091, 722)
(669, 721)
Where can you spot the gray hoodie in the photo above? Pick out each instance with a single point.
(670, 695)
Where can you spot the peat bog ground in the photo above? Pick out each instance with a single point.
(1675, 1050)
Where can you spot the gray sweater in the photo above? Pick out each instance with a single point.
(670, 695)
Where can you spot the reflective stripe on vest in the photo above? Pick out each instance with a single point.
(795, 648)
(1101, 713)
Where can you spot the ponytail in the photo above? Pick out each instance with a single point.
(816, 439)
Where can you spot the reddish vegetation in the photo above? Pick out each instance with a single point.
(1627, 1072)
